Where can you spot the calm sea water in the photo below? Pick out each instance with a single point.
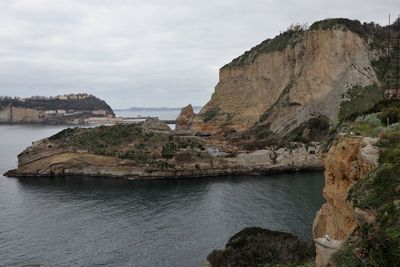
(82, 221)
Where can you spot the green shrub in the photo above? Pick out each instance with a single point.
(352, 25)
(345, 257)
(390, 114)
(290, 37)
(210, 114)
(380, 67)
(377, 188)
(371, 119)
(375, 247)
(169, 150)
(137, 155)
(364, 128)
(388, 139)
(357, 100)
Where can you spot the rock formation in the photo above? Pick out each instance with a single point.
(286, 81)
(349, 159)
(261, 247)
(150, 150)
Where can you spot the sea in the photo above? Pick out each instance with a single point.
(85, 221)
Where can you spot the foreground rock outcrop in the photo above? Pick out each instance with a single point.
(349, 159)
(151, 150)
(261, 247)
(359, 225)
(282, 83)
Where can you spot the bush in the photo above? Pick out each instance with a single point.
(137, 155)
(290, 37)
(345, 257)
(364, 128)
(255, 246)
(375, 247)
(210, 114)
(371, 119)
(358, 100)
(169, 150)
(390, 114)
(352, 25)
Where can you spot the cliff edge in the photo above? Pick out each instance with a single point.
(300, 75)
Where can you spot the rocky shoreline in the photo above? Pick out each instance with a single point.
(48, 158)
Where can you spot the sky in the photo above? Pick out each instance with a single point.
(149, 53)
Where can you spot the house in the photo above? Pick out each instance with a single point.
(99, 112)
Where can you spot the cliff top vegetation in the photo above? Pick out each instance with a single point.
(295, 33)
(131, 142)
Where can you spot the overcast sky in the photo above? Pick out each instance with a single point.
(146, 53)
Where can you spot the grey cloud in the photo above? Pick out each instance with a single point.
(145, 53)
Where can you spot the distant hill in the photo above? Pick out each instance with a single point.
(55, 109)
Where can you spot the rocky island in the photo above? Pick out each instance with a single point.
(151, 150)
(62, 109)
(306, 99)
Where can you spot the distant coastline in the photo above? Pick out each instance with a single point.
(155, 108)
(61, 109)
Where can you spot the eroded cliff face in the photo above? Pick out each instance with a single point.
(348, 160)
(282, 89)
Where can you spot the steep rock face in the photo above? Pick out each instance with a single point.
(348, 160)
(281, 89)
(185, 118)
(11, 114)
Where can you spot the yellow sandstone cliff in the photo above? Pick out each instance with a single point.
(284, 87)
(348, 160)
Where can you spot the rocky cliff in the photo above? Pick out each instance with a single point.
(349, 159)
(299, 75)
(359, 225)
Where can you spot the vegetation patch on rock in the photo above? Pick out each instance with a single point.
(364, 30)
(290, 37)
(210, 114)
(315, 129)
(358, 100)
(261, 247)
(129, 141)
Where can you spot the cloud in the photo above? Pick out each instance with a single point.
(145, 53)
